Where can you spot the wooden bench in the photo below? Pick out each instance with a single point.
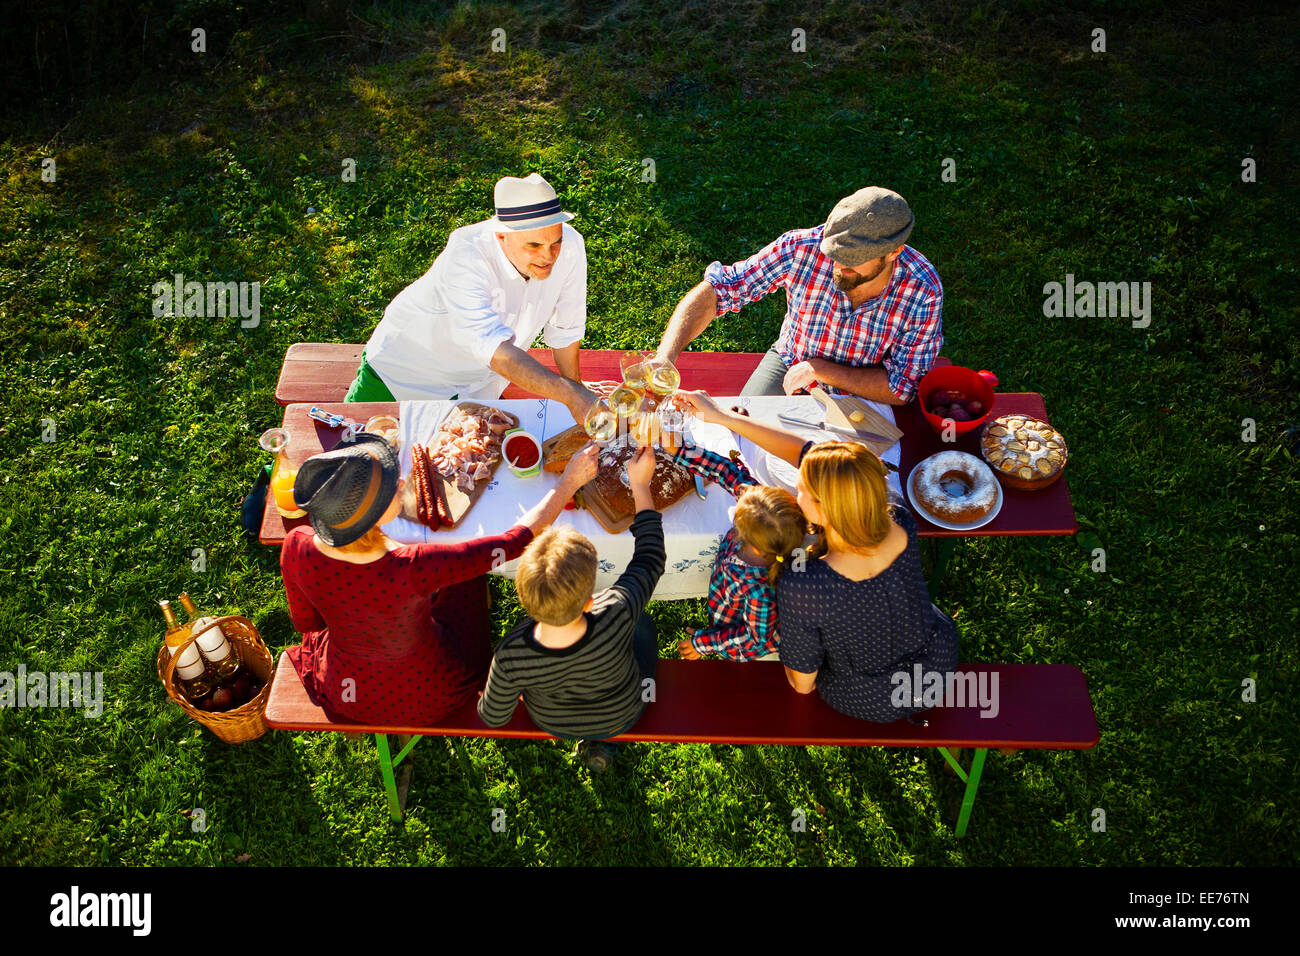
(1040, 706)
(319, 372)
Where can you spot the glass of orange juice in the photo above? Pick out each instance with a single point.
(283, 475)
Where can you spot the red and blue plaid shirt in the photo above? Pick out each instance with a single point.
(901, 329)
(741, 602)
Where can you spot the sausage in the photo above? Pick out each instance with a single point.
(440, 501)
(421, 504)
(420, 470)
(431, 487)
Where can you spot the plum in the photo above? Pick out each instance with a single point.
(940, 410)
(975, 407)
(958, 414)
(222, 699)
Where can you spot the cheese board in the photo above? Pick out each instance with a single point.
(842, 410)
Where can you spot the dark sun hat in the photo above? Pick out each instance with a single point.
(346, 491)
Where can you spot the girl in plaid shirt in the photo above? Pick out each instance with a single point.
(768, 528)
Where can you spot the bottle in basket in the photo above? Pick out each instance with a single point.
(218, 651)
(191, 672)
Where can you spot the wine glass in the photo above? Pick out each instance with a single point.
(386, 427)
(672, 425)
(625, 401)
(630, 359)
(664, 377)
(600, 422)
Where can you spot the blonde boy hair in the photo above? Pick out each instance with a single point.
(770, 521)
(848, 481)
(557, 574)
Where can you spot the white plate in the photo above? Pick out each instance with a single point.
(950, 525)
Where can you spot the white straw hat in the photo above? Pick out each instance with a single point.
(528, 203)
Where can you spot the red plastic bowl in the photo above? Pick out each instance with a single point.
(977, 385)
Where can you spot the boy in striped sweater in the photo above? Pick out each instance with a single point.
(581, 659)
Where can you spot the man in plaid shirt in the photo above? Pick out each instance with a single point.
(864, 312)
(741, 602)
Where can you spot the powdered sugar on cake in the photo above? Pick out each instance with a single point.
(981, 491)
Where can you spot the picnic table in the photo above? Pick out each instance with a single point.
(1042, 706)
(692, 527)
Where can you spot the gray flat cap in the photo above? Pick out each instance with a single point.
(867, 225)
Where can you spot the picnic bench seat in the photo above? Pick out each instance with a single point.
(1040, 706)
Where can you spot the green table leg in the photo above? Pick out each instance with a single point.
(396, 805)
(972, 781)
(972, 785)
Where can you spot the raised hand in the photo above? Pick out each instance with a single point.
(582, 466)
(702, 406)
(641, 468)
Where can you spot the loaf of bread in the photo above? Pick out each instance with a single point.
(567, 444)
(670, 482)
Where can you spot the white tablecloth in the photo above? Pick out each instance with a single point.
(693, 527)
(773, 471)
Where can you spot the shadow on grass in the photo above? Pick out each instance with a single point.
(293, 818)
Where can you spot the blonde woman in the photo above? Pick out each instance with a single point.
(860, 613)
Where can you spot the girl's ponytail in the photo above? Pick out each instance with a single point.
(770, 521)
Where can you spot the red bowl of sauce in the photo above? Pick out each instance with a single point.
(522, 452)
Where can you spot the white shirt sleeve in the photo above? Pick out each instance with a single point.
(569, 320)
(474, 313)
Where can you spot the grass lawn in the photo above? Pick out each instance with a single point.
(1116, 166)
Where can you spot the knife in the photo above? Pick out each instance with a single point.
(849, 432)
(699, 487)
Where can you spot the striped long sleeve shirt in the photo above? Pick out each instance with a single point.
(591, 688)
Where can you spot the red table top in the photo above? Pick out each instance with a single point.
(1023, 512)
(1049, 511)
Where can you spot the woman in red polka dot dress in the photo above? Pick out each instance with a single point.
(392, 633)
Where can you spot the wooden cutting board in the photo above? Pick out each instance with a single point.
(839, 408)
(589, 497)
(460, 502)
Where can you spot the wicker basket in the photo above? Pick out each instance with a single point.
(240, 724)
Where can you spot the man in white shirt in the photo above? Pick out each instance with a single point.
(462, 330)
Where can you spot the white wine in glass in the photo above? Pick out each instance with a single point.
(637, 377)
(664, 378)
(628, 359)
(600, 422)
(624, 401)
